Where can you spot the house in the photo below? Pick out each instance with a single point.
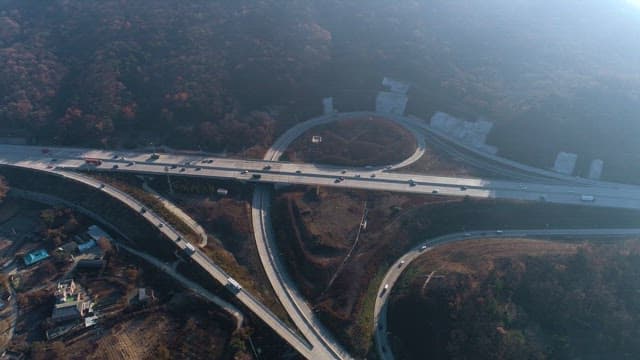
(96, 233)
(84, 247)
(71, 302)
(35, 256)
(90, 264)
(68, 248)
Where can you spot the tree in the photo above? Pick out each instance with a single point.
(105, 245)
(4, 188)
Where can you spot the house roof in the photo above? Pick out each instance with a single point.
(35, 256)
(86, 246)
(96, 233)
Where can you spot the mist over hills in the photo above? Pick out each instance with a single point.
(231, 74)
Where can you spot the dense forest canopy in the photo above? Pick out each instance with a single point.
(231, 74)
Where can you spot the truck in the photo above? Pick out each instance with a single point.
(233, 285)
(588, 198)
(92, 162)
(189, 249)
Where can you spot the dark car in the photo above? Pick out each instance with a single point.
(256, 176)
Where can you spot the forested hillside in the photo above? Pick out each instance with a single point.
(527, 301)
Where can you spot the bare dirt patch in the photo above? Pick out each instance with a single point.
(354, 142)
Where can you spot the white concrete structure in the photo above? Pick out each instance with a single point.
(595, 170)
(395, 86)
(327, 106)
(471, 133)
(565, 163)
(391, 103)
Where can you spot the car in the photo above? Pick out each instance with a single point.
(343, 172)
(336, 181)
(131, 163)
(423, 247)
(198, 168)
(341, 178)
(244, 172)
(412, 182)
(298, 171)
(372, 175)
(182, 169)
(101, 186)
(160, 225)
(467, 234)
(401, 263)
(187, 162)
(256, 176)
(357, 175)
(115, 166)
(54, 160)
(174, 166)
(49, 166)
(143, 210)
(115, 157)
(499, 232)
(463, 188)
(435, 191)
(267, 167)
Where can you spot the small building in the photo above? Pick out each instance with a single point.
(68, 248)
(391, 103)
(221, 191)
(84, 247)
(35, 257)
(565, 163)
(316, 139)
(595, 170)
(327, 105)
(96, 233)
(142, 296)
(395, 86)
(90, 264)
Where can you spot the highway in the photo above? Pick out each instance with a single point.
(318, 343)
(395, 270)
(605, 194)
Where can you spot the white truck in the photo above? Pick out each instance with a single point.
(233, 285)
(588, 198)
